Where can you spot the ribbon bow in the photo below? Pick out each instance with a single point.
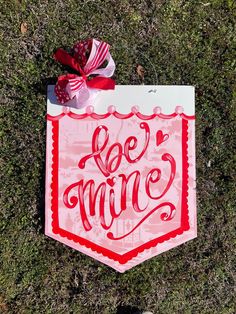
(88, 58)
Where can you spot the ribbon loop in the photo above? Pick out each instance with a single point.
(77, 87)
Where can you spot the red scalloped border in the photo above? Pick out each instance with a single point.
(118, 115)
(122, 259)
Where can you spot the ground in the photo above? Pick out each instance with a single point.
(177, 42)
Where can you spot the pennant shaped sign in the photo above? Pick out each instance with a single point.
(120, 174)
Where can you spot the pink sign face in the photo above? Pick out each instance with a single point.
(120, 187)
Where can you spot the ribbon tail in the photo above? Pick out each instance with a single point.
(74, 85)
(64, 58)
(99, 82)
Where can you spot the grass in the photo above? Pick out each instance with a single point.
(177, 42)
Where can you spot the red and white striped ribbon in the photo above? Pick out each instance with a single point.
(99, 53)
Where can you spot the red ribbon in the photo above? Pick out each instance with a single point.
(75, 82)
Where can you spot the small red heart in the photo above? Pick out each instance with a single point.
(160, 137)
(111, 181)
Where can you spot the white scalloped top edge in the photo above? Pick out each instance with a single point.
(145, 97)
